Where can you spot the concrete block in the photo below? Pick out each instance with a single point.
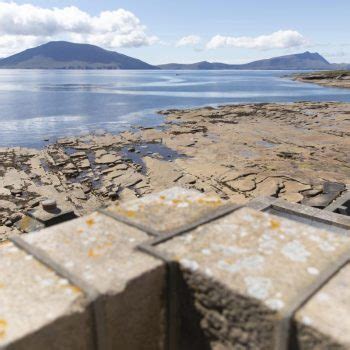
(323, 219)
(38, 308)
(341, 205)
(54, 216)
(168, 210)
(247, 271)
(102, 252)
(323, 323)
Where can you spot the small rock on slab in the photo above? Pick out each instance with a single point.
(49, 204)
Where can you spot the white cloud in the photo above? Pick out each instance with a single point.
(24, 25)
(189, 40)
(281, 39)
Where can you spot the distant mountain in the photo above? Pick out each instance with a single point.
(306, 60)
(66, 55)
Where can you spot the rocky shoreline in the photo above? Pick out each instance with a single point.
(339, 79)
(238, 152)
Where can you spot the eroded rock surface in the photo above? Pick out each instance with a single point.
(238, 152)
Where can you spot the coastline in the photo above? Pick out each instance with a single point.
(238, 152)
(338, 79)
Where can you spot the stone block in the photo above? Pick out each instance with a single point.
(102, 252)
(168, 210)
(38, 308)
(246, 272)
(323, 323)
(323, 219)
(52, 217)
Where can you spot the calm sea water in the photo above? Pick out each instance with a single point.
(36, 105)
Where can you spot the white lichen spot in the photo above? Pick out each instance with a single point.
(29, 257)
(253, 262)
(258, 287)
(306, 320)
(189, 264)
(69, 264)
(326, 246)
(12, 250)
(46, 282)
(322, 296)
(313, 271)
(206, 251)
(295, 251)
(188, 238)
(250, 263)
(63, 282)
(229, 250)
(208, 272)
(88, 276)
(268, 246)
(274, 304)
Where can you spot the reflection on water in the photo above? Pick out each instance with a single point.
(38, 105)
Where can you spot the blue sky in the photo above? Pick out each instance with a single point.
(161, 31)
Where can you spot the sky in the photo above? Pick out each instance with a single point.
(183, 31)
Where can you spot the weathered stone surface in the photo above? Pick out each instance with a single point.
(244, 271)
(102, 252)
(107, 159)
(292, 197)
(169, 209)
(324, 323)
(236, 152)
(32, 297)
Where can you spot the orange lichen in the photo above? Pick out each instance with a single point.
(74, 289)
(212, 202)
(90, 222)
(3, 326)
(2, 285)
(130, 213)
(275, 224)
(92, 253)
(162, 197)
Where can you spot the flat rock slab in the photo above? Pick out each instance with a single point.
(168, 210)
(107, 159)
(246, 270)
(33, 297)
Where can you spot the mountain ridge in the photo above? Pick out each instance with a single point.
(305, 60)
(67, 55)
